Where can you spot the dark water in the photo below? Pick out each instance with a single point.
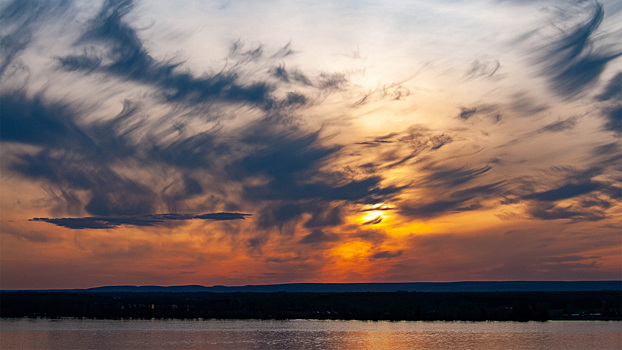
(305, 334)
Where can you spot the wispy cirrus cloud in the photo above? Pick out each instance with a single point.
(576, 58)
(354, 141)
(127, 58)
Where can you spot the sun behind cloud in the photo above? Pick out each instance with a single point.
(263, 142)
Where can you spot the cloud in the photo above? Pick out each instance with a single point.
(290, 76)
(611, 101)
(434, 209)
(526, 105)
(127, 58)
(466, 113)
(559, 126)
(109, 192)
(482, 68)
(324, 216)
(116, 112)
(393, 92)
(575, 60)
(579, 197)
(489, 111)
(81, 159)
(291, 164)
(319, 236)
(332, 81)
(374, 221)
(613, 90)
(387, 254)
(446, 176)
(36, 121)
(20, 20)
(547, 211)
(564, 192)
(458, 201)
(109, 222)
(613, 119)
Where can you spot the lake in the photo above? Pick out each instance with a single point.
(22, 333)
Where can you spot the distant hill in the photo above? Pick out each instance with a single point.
(512, 286)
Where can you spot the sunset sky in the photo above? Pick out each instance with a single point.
(257, 142)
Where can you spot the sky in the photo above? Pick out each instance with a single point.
(259, 142)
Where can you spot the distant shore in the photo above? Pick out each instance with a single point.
(394, 306)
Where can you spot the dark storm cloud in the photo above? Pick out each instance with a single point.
(130, 60)
(575, 60)
(108, 222)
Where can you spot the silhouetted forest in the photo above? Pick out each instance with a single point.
(476, 306)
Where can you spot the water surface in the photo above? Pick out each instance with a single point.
(305, 334)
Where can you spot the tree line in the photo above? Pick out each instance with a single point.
(448, 306)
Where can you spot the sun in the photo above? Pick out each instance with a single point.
(373, 217)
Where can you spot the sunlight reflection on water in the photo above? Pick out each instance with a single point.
(305, 334)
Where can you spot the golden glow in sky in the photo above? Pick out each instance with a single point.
(243, 142)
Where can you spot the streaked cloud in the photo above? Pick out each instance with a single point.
(309, 141)
(94, 222)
